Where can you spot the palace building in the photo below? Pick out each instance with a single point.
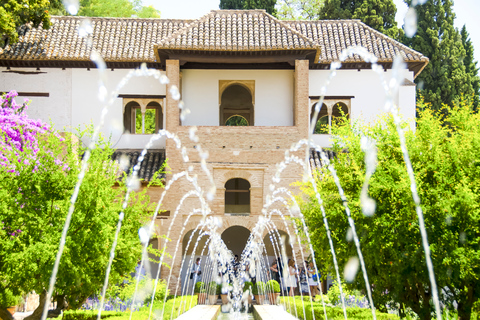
(249, 81)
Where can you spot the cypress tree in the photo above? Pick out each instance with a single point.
(378, 14)
(444, 79)
(268, 5)
(471, 65)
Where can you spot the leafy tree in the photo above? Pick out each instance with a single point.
(379, 15)
(14, 14)
(299, 9)
(268, 5)
(231, 4)
(444, 79)
(36, 184)
(444, 155)
(471, 65)
(116, 8)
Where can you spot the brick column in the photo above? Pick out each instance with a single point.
(301, 112)
(172, 115)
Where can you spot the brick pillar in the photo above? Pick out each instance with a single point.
(172, 116)
(301, 111)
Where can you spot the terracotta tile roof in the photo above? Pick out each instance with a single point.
(237, 30)
(333, 36)
(316, 162)
(117, 39)
(152, 162)
(128, 40)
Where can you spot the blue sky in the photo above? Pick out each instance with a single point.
(467, 12)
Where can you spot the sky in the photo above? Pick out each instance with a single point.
(466, 11)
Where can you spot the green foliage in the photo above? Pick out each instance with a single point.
(379, 15)
(174, 307)
(273, 286)
(247, 285)
(212, 288)
(199, 287)
(444, 152)
(126, 291)
(219, 289)
(471, 68)
(116, 8)
(296, 307)
(15, 14)
(8, 299)
(236, 121)
(299, 9)
(36, 199)
(268, 5)
(444, 79)
(333, 293)
(259, 288)
(89, 314)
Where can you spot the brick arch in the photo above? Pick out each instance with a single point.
(237, 174)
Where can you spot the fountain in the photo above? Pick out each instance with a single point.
(219, 266)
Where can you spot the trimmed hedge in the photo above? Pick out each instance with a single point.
(141, 314)
(89, 314)
(333, 313)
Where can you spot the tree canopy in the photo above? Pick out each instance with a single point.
(116, 8)
(299, 9)
(379, 15)
(444, 153)
(268, 5)
(445, 78)
(17, 16)
(36, 183)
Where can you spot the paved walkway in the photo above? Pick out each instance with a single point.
(201, 312)
(268, 312)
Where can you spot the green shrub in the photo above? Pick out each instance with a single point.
(126, 291)
(273, 286)
(295, 307)
(179, 305)
(259, 288)
(212, 288)
(7, 299)
(89, 314)
(199, 287)
(219, 289)
(247, 285)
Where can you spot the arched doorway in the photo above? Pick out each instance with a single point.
(273, 247)
(235, 238)
(236, 107)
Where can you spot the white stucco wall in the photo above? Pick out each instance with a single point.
(86, 106)
(273, 95)
(56, 82)
(368, 92)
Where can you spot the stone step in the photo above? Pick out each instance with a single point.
(269, 312)
(201, 312)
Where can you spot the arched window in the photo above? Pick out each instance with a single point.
(143, 120)
(321, 127)
(339, 110)
(236, 107)
(331, 110)
(237, 196)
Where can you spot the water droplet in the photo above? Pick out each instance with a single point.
(351, 269)
(463, 237)
(335, 65)
(164, 79)
(98, 60)
(143, 235)
(174, 92)
(134, 183)
(184, 114)
(124, 162)
(349, 234)
(192, 134)
(102, 93)
(272, 187)
(71, 6)
(410, 22)
(368, 207)
(85, 28)
(121, 216)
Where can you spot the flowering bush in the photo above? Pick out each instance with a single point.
(18, 131)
